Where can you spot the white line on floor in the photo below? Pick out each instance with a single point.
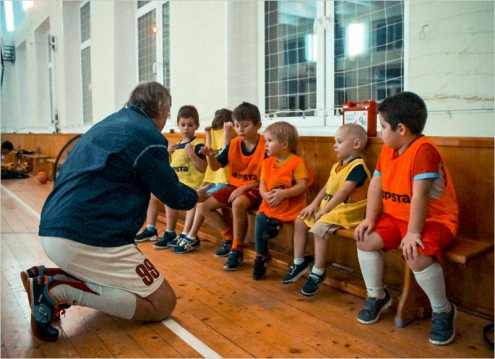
(171, 324)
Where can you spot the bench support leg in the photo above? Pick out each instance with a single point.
(412, 300)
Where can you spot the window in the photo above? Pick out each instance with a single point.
(290, 58)
(320, 54)
(86, 63)
(153, 41)
(368, 50)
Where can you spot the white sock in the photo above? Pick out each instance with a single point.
(431, 280)
(169, 231)
(371, 264)
(318, 271)
(150, 227)
(298, 261)
(192, 238)
(113, 301)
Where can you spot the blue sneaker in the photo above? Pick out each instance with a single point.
(373, 307)
(42, 308)
(146, 235)
(442, 327)
(164, 241)
(225, 249)
(234, 261)
(312, 284)
(297, 270)
(187, 245)
(177, 240)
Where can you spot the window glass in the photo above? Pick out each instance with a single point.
(147, 46)
(290, 58)
(368, 50)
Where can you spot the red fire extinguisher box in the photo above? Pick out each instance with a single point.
(361, 113)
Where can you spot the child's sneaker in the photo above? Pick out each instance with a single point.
(177, 240)
(225, 249)
(146, 235)
(442, 327)
(234, 261)
(373, 307)
(312, 284)
(164, 241)
(260, 265)
(187, 245)
(297, 270)
(42, 308)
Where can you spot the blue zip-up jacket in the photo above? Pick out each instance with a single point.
(101, 194)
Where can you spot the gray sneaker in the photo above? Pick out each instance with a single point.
(442, 327)
(373, 307)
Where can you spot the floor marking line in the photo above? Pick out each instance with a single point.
(171, 324)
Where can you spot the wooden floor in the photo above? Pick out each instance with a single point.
(227, 311)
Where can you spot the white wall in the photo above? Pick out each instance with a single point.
(451, 65)
(215, 62)
(198, 57)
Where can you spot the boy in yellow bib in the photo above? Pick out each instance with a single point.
(218, 136)
(341, 203)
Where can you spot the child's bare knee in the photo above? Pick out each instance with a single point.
(240, 205)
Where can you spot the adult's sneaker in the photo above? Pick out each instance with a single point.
(442, 327)
(187, 245)
(34, 272)
(373, 307)
(234, 261)
(260, 265)
(42, 308)
(225, 249)
(146, 235)
(312, 284)
(163, 243)
(296, 271)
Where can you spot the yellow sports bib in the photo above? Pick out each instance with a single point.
(183, 165)
(350, 212)
(222, 175)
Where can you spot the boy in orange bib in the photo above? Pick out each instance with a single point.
(339, 204)
(244, 155)
(413, 186)
(284, 181)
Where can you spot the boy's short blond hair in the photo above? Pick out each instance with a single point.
(355, 132)
(284, 131)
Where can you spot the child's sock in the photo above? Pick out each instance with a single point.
(298, 261)
(318, 271)
(431, 280)
(169, 231)
(238, 245)
(371, 264)
(227, 234)
(193, 238)
(184, 234)
(150, 227)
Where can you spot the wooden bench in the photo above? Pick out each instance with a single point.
(38, 162)
(470, 286)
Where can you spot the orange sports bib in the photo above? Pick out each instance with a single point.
(245, 169)
(289, 208)
(397, 184)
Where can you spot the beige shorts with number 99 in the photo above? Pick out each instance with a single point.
(122, 267)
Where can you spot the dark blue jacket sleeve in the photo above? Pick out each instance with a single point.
(153, 168)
